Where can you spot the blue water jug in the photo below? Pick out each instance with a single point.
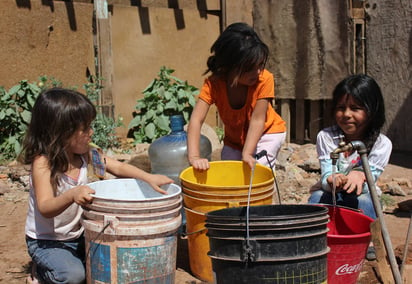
(168, 154)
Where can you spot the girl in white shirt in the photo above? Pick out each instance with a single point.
(359, 113)
(57, 147)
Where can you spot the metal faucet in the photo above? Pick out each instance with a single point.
(343, 147)
(361, 148)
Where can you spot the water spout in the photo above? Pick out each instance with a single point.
(343, 147)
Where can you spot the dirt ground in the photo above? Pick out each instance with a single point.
(15, 263)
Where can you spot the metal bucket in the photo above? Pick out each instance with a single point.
(278, 244)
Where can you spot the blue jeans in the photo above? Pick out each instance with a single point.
(58, 261)
(362, 202)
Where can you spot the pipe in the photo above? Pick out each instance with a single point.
(405, 250)
(360, 147)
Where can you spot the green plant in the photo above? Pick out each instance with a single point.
(93, 88)
(15, 114)
(387, 200)
(104, 127)
(46, 82)
(163, 97)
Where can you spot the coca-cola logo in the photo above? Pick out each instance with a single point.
(349, 269)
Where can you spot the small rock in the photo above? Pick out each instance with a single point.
(4, 188)
(403, 181)
(283, 157)
(141, 148)
(310, 165)
(395, 189)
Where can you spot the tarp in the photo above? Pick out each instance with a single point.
(309, 45)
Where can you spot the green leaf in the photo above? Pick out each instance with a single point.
(171, 105)
(192, 101)
(150, 114)
(26, 116)
(163, 122)
(149, 87)
(14, 89)
(134, 122)
(150, 130)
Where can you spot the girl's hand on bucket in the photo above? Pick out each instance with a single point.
(250, 160)
(82, 195)
(156, 181)
(199, 164)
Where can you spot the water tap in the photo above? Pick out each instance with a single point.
(343, 147)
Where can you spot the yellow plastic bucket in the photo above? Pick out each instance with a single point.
(226, 184)
(227, 177)
(205, 205)
(227, 195)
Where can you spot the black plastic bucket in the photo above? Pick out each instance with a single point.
(275, 244)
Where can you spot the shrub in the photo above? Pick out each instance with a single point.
(15, 114)
(163, 97)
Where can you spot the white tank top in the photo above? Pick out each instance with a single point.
(63, 227)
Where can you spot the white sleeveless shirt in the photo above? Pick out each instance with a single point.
(63, 227)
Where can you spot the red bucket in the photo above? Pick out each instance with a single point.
(348, 239)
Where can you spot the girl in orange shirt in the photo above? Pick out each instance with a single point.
(242, 90)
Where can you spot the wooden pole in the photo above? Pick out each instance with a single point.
(104, 66)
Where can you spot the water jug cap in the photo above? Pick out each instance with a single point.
(176, 123)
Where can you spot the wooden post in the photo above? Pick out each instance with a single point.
(104, 66)
(285, 114)
(300, 121)
(357, 14)
(315, 120)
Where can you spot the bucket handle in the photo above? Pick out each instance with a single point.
(184, 235)
(98, 235)
(260, 155)
(248, 255)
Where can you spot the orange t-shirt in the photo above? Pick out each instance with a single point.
(236, 121)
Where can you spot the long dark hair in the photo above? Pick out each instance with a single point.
(367, 93)
(56, 115)
(238, 49)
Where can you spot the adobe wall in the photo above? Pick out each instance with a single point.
(148, 37)
(56, 39)
(308, 48)
(143, 41)
(38, 39)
